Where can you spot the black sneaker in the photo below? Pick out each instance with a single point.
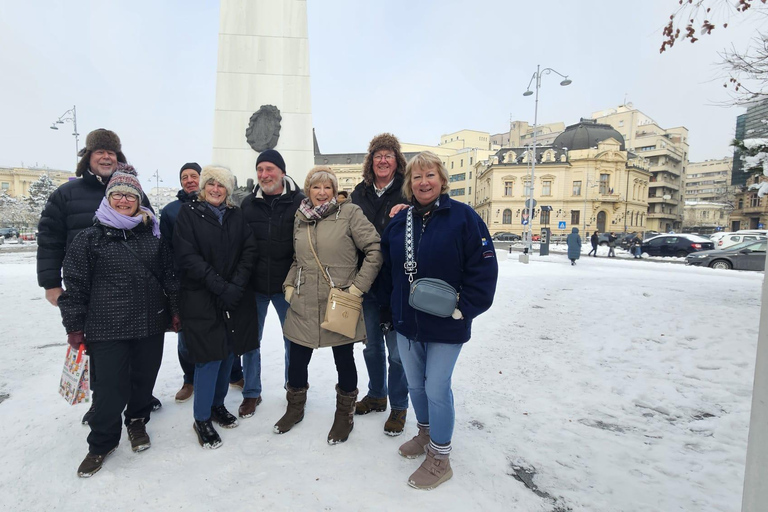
(223, 417)
(137, 433)
(88, 415)
(206, 434)
(92, 464)
(156, 405)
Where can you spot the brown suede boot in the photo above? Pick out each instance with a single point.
(435, 470)
(416, 446)
(343, 421)
(294, 413)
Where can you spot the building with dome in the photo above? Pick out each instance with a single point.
(585, 178)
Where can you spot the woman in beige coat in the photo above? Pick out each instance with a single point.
(338, 233)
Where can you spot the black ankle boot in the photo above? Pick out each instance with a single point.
(207, 435)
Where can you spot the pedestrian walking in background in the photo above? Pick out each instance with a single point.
(215, 251)
(612, 245)
(327, 239)
(443, 239)
(121, 295)
(636, 248)
(594, 241)
(574, 245)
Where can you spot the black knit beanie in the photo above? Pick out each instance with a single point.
(273, 157)
(190, 165)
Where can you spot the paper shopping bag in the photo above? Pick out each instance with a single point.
(75, 384)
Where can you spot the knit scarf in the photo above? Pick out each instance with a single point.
(315, 212)
(218, 211)
(108, 216)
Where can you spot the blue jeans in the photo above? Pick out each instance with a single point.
(211, 385)
(376, 359)
(429, 367)
(252, 359)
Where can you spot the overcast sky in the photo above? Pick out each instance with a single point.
(147, 69)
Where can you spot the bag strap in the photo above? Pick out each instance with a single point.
(320, 265)
(146, 265)
(410, 262)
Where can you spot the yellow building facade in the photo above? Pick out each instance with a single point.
(15, 181)
(667, 153)
(585, 179)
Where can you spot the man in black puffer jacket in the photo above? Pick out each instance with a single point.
(71, 207)
(269, 210)
(380, 190)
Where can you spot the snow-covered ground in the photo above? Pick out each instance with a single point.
(625, 385)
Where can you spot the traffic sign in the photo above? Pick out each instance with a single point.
(528, 203)
(561, 224)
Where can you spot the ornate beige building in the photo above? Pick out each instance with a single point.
(667, 153)
(15, 181)
(585, 176)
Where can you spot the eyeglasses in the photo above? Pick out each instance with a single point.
(379, 158)
(128, 197)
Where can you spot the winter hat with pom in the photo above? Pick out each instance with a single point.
(124, 180)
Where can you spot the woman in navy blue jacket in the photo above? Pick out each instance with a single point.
(450, 242)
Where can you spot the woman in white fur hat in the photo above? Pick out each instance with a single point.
(215, 250)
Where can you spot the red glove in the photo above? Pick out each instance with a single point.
(176, 323)
(75, 339)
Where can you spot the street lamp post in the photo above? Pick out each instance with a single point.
(62, 118)
(537, 77)
(158, 180)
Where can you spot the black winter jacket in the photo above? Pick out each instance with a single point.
(272, 226)
(169, 213)
(110, 294)
(69, 210)
(375, 208)
(210, 256)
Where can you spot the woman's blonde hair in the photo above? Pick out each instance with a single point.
(321, 174)
(424, 160)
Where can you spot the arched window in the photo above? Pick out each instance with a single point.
(507, 217)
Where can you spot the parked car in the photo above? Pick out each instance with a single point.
(749, 255)
(731, 239)
(623, 240)
(678, 245)
(9, 232)
(505, 236)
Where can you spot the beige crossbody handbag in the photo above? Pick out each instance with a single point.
(343, 310)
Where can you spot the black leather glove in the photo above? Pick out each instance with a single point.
(385, 319)
(230, 297)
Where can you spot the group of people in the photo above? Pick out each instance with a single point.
(210, 268)
(574, 245)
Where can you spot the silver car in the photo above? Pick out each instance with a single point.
(744, 256)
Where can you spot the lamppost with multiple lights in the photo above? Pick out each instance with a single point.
(73, 119)
(158, 180)
(537, 77)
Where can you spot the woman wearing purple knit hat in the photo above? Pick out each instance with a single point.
(121, 295)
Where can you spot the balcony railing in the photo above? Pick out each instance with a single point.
(657, 200)
(659, 215)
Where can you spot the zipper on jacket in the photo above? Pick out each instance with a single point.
(298, 282)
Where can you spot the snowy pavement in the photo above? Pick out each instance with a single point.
(624, 386)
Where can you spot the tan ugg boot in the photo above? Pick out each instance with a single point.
(416, 446)
(435, 470)
(343, 421)
(294, 413)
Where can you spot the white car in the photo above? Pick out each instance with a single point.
(736, 238)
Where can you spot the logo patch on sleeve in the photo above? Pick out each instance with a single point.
(485, 242)
(489, 254)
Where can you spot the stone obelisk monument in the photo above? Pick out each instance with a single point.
(262, 87)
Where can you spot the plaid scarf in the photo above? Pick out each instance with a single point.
(315, 212)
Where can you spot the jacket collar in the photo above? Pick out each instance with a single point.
(184, 197)
(289, 189)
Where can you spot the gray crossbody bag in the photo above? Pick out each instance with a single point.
(428, 294)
